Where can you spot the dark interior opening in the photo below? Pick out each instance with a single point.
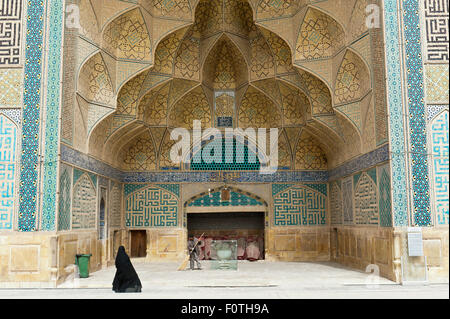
(245, 227)
(138, 243)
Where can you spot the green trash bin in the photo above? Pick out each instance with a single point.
(82, 261)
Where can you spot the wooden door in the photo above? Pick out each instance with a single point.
(138, 243)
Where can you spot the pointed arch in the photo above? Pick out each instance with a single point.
(257, 199)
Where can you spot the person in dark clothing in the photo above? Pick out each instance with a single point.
(126, 278)
(194, 252)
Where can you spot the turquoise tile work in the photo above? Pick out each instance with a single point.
(52, 113)
(65, 198)
(416, 111)
(8, 167)
(151, 205)
(439, 134)
(299, 205)
(32, 101)
(236, 199)
(241, 158)
(395, 105)
(384, 196)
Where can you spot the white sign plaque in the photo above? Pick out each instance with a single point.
(415, 243)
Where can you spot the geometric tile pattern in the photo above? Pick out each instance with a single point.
(8, 167)
(257, 110)
(309, 155)
(52, 115)
(31, 115)
(396, 112)
(115, 205)
(84, 205)
(229, 155)
(366, 206)
(10, 32)
(127, 37)
(151, 207)
(65, 198)
(319, 37)
(336, 204)
(276, 8)
(11, 87)
(416, 107)
(95, 82)
(384, 196)
(172, 8)
(439, 145)
(14, 115)
(352, 79)
(193, 106)
(436, 83)
(433, 110)
(139, 155)
(236, 199)
(436, 30)
(347, 200)
(299, 206)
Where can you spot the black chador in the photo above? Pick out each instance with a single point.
(126, 278)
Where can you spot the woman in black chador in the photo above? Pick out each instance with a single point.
(126, 279)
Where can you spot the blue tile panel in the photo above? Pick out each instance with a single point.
(31, 116)
(416, 107)
(299, 205)
(52, 114)
(395, 106)
(76, 158)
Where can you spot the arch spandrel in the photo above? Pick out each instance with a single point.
(108, 10)
(88, 22)
(269, 87)
(357, 25)
(128, 37)
(353, 80)
(154, 105)
(139, 154)
(175, 9)
(320, 36)
(178, 89)
(187, 59)
(192, 106)
(269, 9)
(295, 103)
(94, 81)
(262, 60)
(115, 142)
(308, 154)
(128, 96)
(166, 51)
(258, 111)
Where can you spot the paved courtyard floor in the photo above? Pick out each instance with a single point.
(252, 280)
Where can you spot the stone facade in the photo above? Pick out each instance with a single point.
(85, 128)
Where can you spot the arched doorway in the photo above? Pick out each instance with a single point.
(228, 213)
